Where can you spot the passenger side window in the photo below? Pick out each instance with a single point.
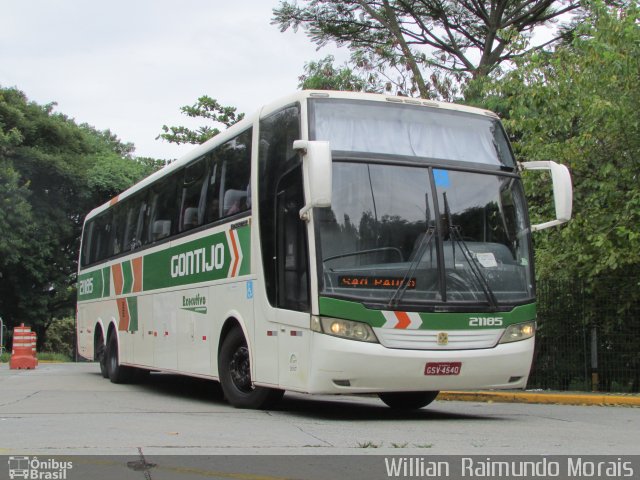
(136, 208)
(214, 205)
(101, 237)
(236, 175)
(117, 230)
(162, 210)
(194, 194)
(230, 181)
(86, 243)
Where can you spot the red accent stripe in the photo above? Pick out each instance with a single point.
(136, 266)
(234, 270)
(123, 313)
(118, 279)
(403, 320)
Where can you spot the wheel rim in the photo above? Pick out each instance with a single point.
(240, 371)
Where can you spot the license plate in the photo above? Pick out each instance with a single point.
(443, 368)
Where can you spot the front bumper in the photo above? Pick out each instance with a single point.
(346, 366)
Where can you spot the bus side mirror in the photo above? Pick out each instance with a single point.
(317, 174)
(562, 191)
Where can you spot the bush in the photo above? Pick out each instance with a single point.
(60, 338)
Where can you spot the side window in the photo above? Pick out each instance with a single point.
(193, 195)
(85, 257)
(118, 223)
(214, 206)
(162, 209)
(291, 239)
(136, 208)
(236, 174)
(101, 237)
(276, 158)
(229, 184)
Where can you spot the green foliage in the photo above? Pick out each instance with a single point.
(580, 106)
(425, 48)
(209, 109)
(52, 172)
(323, 75)
(60, 338)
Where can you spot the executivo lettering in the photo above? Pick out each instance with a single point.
(197, 261)
(196, 304)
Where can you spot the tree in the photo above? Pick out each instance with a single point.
(432, 45)
(52, 172)
(209, 109)
(580, 106)
(323, 75)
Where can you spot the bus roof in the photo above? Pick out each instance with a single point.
(300, 96)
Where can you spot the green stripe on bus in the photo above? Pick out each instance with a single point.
(132, 303)
(90, 285)
(348, 310)
(127, 275)
(106, 282)
(202, 260)
(244, 238)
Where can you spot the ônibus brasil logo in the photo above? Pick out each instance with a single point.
(35, 469)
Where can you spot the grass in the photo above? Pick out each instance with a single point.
(399, 445)
(369, 444)
(42, 356)
(54, 357)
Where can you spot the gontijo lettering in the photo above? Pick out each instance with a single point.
(197, 261)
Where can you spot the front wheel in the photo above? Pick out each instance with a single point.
(235, 375)
(408, 400)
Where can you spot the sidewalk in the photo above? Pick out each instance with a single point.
(545, 397)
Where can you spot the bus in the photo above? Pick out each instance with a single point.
(333, 243)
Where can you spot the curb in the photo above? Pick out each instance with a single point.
(542, 398)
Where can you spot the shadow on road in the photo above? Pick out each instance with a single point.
(325, 407)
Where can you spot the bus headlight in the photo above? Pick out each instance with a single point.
(519, 331)
(343, 329)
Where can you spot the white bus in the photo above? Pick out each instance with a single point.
(334, 243)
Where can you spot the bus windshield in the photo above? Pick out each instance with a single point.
(410, 131)
(404, 236)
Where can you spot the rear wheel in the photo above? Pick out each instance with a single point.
(117, 373)
(235, 375)
(101, 356)
(408, 400)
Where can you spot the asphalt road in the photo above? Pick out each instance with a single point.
(69, 409)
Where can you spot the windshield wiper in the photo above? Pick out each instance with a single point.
(404, 285)
(456, 236)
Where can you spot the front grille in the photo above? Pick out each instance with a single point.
(428, 339)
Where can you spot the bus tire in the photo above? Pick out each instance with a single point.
(117, 373)
(234, 371)
(408, 400)
(101, 356)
